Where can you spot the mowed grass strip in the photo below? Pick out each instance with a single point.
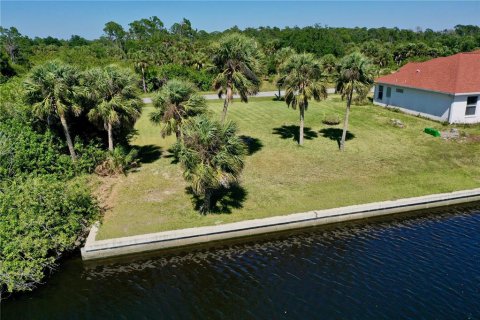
(381, 162)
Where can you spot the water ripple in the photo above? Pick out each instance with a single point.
(423, 268)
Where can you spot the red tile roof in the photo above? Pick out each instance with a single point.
(459, 73)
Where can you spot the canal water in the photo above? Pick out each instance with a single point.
(419, 268)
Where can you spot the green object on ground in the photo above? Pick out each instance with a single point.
(433, 132)
(380, 163)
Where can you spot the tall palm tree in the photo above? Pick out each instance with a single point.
(355, 75)
(51, 89)
(177, 101)
(141, 61)
(212, 156)
(113, 93)
(301, 77)
(237, 61)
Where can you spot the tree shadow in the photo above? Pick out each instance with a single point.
(253, 144)
(172, 154)
(293, 132)
(335, 134)
(223, 200)
(148, 153)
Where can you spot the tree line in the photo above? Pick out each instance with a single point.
(159, 53)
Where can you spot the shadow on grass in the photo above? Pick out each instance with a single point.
(292, 132)
(223, 200)
(253, 144)
(172, 154)
(149, 153)
(335, 134)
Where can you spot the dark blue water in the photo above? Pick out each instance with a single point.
(420, 268)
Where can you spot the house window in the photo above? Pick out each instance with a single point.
(471, 106)
(399, 90)
(389, 92)
(380, 93)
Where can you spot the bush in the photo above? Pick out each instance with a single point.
(118, 161)
(331, 120)
(41, 218)
(11, 103)
(24, 151)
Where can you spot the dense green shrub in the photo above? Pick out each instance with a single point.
(25, 151)
(331, 120)
(22, 150)
(117, 161)
(156, 76)
(41, 218)
(11, 103)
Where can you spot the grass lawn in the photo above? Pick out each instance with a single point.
(381, 162)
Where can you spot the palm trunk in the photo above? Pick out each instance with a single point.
(225, 103)
(345, 124)
(68, 138)
(279, 93)
(110, 136)
(143, 80)
(302, 118)
(178, 134)
(206, 201)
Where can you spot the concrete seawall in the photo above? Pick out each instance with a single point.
(99, 249)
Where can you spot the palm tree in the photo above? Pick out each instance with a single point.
(51, 89)
(212, 156)
(355, 75)
(329, 66)
(177, 101)
(141, 61)
(281, 56)
(113, 92)
(237, 61)
(301, 77)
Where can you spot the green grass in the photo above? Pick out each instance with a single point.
(381, 162)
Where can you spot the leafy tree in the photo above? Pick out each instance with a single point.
(77, 41)
(355, 75)
(51, 90)
(301, 77)
(329, 66)
(112, 90)
(116, 34)
(212, 156)
(176, 102)
(146, 28)
(6, 70)
(10, 39)
(183, 29)
(237, 61)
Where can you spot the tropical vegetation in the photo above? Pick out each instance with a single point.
(212, 156)
(301, 77)
(354, 76)
(176, 102)
(237, 61)
(70, 112)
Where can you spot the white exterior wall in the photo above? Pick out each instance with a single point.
(429, 104)
(459, 107)
(435, 105)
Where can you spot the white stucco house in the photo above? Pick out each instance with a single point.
(444, 89)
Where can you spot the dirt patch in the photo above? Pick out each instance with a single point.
(473, 138)
(106, 192)
(158, 195)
